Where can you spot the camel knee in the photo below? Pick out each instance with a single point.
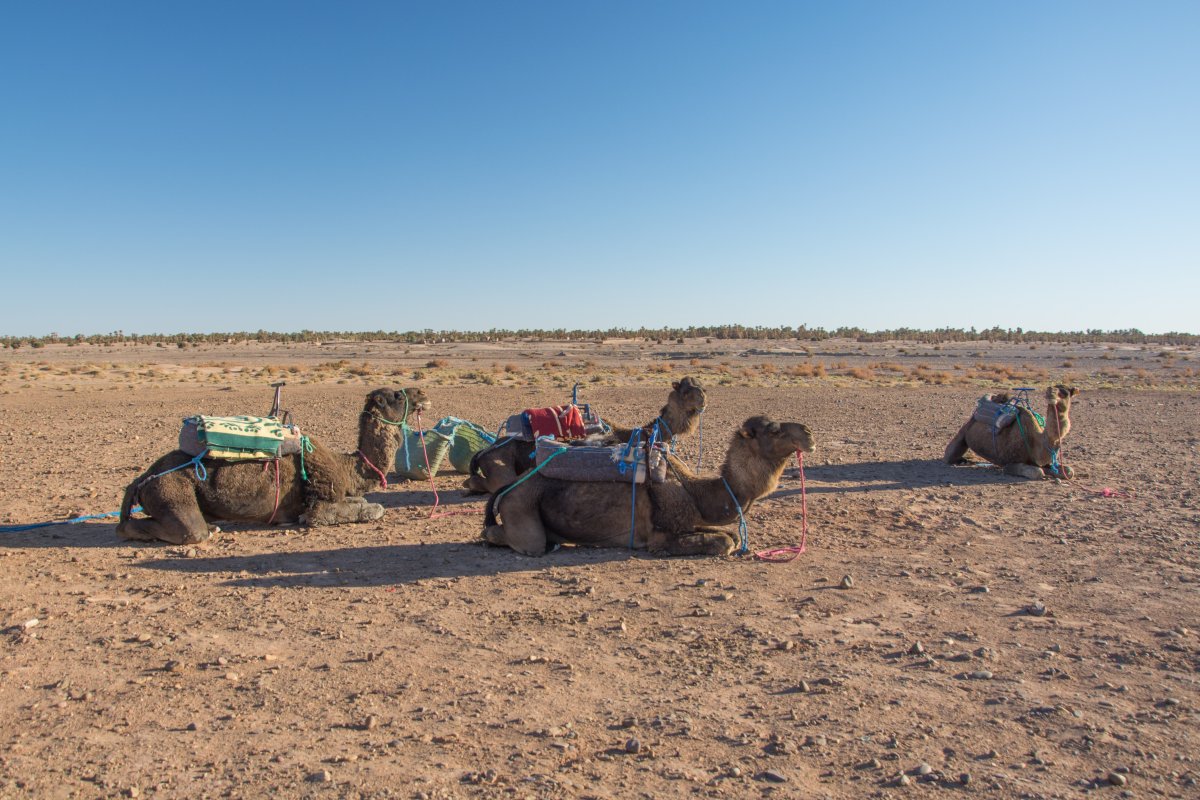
(524, 542)
(369, 512)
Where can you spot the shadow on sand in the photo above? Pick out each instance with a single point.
(874, 476)
(382, 565)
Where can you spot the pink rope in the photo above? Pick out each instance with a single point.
(782, 555)
(433, 512)
(378, 471)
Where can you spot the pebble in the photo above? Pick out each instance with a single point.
(725, 596)
(143, 637)
(804, 687)
(371, 723)
(980, 675)
(965, 778)
(773, 776)
(874, 763)
(846, 583)
(1037, 609)
(787, 645)
(702, 581)
(30, 623)
(916, 649)
(902, 780)
(324, 776)
(174, 666)
(924, 769)
(633, 746)
(1117, 779)
(232, 676)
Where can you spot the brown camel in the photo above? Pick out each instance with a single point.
(499, 465)
(180, 505)
(1023, 447)
(671, 518)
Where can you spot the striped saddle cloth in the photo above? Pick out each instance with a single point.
(238, 438)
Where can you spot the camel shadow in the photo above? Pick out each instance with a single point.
(66, 534)
(874, 476)
(382, 565)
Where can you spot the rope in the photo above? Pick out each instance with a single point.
(72, 521)
(433, 512)
(782, 555)
(305, 444)
(275, 510)
(700, 431)
(743, 530)
(528, 475)
(378, 471)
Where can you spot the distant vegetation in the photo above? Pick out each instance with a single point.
(801, 333)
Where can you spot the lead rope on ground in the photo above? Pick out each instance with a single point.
(71, 521)
(782, 555)
(433, 512)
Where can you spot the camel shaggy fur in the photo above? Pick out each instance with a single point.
(672, 518)
(500, 464)
(180, 506)
(1023, 448)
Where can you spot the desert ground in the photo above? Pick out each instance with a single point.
(996, 637)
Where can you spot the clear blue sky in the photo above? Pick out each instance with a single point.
(172, 166)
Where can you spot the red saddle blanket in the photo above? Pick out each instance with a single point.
(562, 422)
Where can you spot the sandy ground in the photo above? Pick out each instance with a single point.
(402, 658)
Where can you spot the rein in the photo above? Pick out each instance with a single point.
(782, 555)
(382, 478)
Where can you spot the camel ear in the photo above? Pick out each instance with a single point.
(1074, 391)
(378, 399)
(675, 385)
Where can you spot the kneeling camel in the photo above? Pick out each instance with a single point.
(1024, 447)
(180, 504)
(671, 518)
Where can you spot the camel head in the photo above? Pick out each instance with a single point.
(774, 441)
(687, 396)
(1060, 398)
(396, 405)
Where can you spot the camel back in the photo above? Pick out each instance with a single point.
(238, 438)
(590, 463)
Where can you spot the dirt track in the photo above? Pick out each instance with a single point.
(402, 658)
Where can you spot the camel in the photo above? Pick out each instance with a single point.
(180, 504)
(1024, 447)
(670, 518)
(499, 465)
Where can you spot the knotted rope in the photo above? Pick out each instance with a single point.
(781, 555)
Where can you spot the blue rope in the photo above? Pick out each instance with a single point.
(72, 521)
(201, 470)
(743, 530)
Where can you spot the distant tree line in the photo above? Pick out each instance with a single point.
(720, 332)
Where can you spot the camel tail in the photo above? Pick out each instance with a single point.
(958, 445)
(128, 501)
(489, 512)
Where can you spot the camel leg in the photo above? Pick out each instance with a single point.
(522, 530)
(958, 446)
(1029, 471)
(475, 484)
(173, 525)
(704, 542)
(344, 511)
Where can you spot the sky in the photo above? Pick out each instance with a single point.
(227, 166)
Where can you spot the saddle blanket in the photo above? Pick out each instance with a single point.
(596, 463)
(238, 438)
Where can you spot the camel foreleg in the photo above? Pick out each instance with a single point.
(1028, 471)
(702, 542)
(341, 512)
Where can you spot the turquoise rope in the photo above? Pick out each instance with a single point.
(743, 529)
(72, 521)
(305, 444)
(528, 475)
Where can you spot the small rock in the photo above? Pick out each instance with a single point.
(735, 772)
(324, 776)
(29, 623)
(1037, 609)
(702, 581)
(846, 583)
(232, 676)
(902, 780)
(965, 778)
(923, 769)
(874, 763)
(980, 675)
(787, 645)
(916, 649)
(134, 791)
(143, 637)
(270, 657)
(222, 661)
(633, 746)
(1117, 779)
(804, 687)
(371, 722)
(725, 596)
(191, 726)
(174, 666)
(772, 776)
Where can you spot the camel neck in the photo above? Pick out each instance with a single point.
(678, 423)
(377, 443)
